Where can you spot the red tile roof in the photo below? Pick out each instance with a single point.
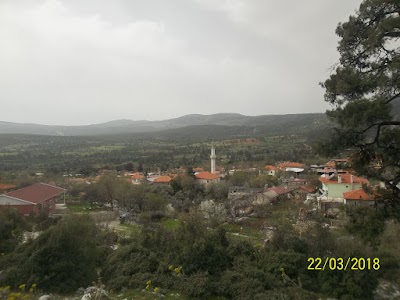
(137, 176)
(37, 193)
(162, 179)
(290, 165)
(198, 169)
(206, 175)
(345, 178)
(280, 190)
(309, 188)
(270, 168)
(358, 195)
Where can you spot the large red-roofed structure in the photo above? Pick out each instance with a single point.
(36, 198)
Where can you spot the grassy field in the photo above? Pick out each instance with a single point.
(170, 223)
(7, 153)
(128, 229)
(244, 230)
(83, 207)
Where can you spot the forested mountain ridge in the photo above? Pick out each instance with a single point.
(262, 123)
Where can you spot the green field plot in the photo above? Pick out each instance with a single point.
(244, 230)
(8, 153)
(128, 229)
(83, 207)
(170, 223)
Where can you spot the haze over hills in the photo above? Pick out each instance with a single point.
(236, 122)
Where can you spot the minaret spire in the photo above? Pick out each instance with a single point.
(213, 157)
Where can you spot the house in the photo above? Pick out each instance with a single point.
(292, 183)
(206, 177)
(242, 191)
(327, 171)
(334, 186)
(303, 191)
(337, 163)
(282, 192)
(271, 170)
(291, 167)
(162, 180)
(137, 178)
(36, 198)
(358, 197)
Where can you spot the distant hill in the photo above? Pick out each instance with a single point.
(234, 124)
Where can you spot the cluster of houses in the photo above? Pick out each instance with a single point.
(201, 176)
(337, 186)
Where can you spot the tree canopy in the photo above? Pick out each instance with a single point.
(364, 90)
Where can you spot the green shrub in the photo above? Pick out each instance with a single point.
(196, 285)
(62, 259)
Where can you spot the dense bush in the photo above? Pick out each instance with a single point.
(126, 266)
(193, 259)
(12, 226)
(62, 259)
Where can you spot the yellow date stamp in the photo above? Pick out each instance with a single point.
(343, 264)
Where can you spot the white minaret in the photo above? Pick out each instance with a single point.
(213, 157)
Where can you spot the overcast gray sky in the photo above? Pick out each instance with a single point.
(73, 62)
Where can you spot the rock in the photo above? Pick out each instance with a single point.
(387, 290)
(80, 291)
(95, 293)
(45, 297)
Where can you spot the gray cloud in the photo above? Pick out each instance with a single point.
(80, 62)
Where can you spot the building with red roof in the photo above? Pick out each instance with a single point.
(293, 183)
(291, 167)
(271, 170)
(137, 178)
(343, 179)
(358, 197)
(335, 185)
(280, 190)
(162, 180)
(207, 177)
(36, 198)
(290, 164)
(303, 191)
(310, 188)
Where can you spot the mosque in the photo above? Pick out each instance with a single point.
(209, 177)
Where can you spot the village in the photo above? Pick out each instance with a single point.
(200, 150)
(250, 205)
(325, 189)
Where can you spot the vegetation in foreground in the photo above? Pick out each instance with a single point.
(202, 261)
(191, 258)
